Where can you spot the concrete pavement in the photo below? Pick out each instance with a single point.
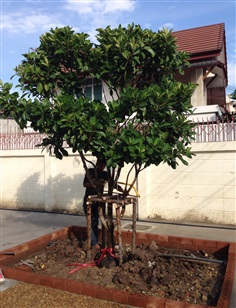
(17, 227)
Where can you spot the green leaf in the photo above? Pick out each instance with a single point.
(59, 51)
(46, 87)
(64, 152)
(149, 49)
(39, 87)
(125, 54)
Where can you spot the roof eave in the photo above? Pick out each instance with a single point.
(200, 56)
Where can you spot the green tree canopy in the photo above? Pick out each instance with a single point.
(233, 95)
(142, 119)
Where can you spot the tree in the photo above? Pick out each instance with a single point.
(233, 95)
(144, 119)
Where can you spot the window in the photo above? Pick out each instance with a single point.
(93, 89)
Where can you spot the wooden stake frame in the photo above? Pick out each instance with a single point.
(119, 204)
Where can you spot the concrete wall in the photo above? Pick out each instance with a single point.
(31, 179)
(195, 76)
(199, 96)
(8, 126)
(204, 191)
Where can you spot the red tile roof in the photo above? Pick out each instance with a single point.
(202, 41)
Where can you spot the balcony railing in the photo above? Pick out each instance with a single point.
(215, 132)
(204, 132)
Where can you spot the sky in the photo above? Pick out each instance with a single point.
(22, 23)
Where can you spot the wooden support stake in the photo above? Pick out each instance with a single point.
(89, 220)
(119, 235)
(134, 226)
(104, 205)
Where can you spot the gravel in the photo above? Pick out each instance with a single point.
(24, 295)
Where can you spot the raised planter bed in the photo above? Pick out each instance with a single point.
(138, 300)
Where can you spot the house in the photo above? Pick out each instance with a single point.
(230, 104)
(208, 69)
(208, 63)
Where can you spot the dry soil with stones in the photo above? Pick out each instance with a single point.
(182, 275)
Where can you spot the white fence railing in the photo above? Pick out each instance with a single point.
(215, 132)
(207, 132)
(20, 141)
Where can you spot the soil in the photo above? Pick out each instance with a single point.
(188, 276)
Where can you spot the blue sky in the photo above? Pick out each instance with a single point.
(22, 22)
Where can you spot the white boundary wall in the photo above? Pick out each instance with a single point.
(202, 192)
